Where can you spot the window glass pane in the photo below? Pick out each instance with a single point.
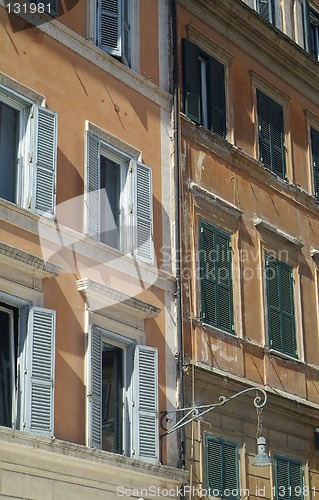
(110, 210)
(8, 152)
(112, 398)
(6, 369)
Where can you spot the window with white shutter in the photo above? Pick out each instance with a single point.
(119, 199)
(28, 146)
(122, 396)
(27, 351)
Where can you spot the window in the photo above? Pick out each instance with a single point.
(266, 8)
(27, 153)
(113, 28)
(204, 89)
(119, 200)
(215, 276)
(27, 366)
(271, 134)
(288, 478)
(222, 468)
(281, 320)
(123, 396)
(315, 159)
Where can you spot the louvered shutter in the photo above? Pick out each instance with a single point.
(222, 468)
(145, 409)
(280, 306)
(45, 156)
(216, 282)
(282, 478)
(266, 9)
(143, 213)
(93, 186)
(306, 26)
(95, 389)
(54, 6)
(40, 372)
(295, 480)
(288, 477)
(315, 159)
(126, 35)
(217, 97)
(109, 14)
(191, 79)
(278, 141)
(264, 129)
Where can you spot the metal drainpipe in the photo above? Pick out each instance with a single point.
(178, 205)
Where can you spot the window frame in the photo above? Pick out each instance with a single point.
(222, 442)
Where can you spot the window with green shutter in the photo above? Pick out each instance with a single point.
(266, 8)
(271, 134)
(204, 89)
(215, 275)
(281, 321)
(315, 159)
(222, 478)
(288, 478)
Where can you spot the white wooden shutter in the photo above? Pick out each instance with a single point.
(39, 417)
(93, 186)
(95, 389)
(145, 409)
(109, 15)
(45, 154)
(143, 214)
(126, 34)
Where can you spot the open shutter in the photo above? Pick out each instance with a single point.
(191, 81)
(143, 213)
(306, 26)
(126, 34)
(45, 153)
(95, 389)
(93, 186)
(273, 299)
(315, 159)
(278, 140)
(287, 310)
(110, 26)
(208, 275)
(264, 129)
(40, 372)
(217, 97)
(145, 409)
(223, 254)
(266, 9)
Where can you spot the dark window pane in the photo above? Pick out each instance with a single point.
(6, 369)
(110, 209)
(9, 120)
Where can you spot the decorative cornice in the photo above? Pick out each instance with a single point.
(102, 296)
(197, 190)
(27, 260)
(261, 224)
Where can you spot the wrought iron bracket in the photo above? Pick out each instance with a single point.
(192, 413)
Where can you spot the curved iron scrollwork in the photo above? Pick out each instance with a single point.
(187, 415)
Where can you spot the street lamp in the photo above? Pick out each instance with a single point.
(195, 412)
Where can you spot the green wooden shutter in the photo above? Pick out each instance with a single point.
(216, 282)
(191, 77)
(217, 97)
(271, 134)
(281, 322)
(288, 478)
(222, 468)
(315, 159)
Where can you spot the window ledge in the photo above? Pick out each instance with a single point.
(283, 356)
(261, 224)
(27, 262)
(101, 296)
(198, 191)
(213, 329)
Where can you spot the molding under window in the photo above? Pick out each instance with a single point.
(202, 193)
(110, 302)
(261, 224)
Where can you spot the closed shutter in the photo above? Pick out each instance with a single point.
(271, 134)
(95, 389)
(266, 9)
(191, 77)
(145, 409)
(281, 323)
(143, 213)
(289, 480)
(45, 156)
(222, 468)
(109, 15)
(93, 186)
(40, 372)
(217, 97)
(315, 159)
(216, 282)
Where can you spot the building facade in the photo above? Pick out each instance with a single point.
(249, 109)
(87, 306)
